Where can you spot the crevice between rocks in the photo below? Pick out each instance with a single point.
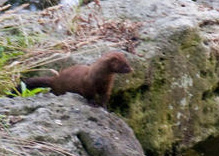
(88, 144)
(120, 101)
(208, 22)
(209, 93)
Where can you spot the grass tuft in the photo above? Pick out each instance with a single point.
(31, 40)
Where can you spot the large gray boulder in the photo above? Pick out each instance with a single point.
(177, 104)
(171, 99)
(63, 125)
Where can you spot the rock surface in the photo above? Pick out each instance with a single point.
(177, 104)
(171, 99)
(68, 123)
(209, 3)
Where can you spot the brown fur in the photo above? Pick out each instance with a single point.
(94, 82)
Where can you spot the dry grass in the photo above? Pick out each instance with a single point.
(40, 36)
(54, 30)
(29, 147)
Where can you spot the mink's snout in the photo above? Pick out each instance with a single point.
(126, 69)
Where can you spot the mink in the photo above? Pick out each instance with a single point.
(94, 82)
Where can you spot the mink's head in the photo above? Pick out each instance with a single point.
(118, 63)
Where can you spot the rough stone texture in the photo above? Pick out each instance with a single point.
(67, 122)
(177, 105)
(210, 3)
(2, 2)
(171, 100)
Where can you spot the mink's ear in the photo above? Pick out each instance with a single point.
(114, 59)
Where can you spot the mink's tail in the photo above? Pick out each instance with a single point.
(37, 82)
(32, 83)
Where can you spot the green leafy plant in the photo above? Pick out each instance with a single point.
(5, 57)
(25, 92)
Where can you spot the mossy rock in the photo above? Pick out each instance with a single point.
(170, 112)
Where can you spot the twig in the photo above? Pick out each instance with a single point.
(17, 9)
(5, 7)
(10, 151)
(31, 144)
(41, 69)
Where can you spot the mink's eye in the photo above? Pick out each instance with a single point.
(116, 60)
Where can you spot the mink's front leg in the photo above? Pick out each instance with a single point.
(92, 103)
(104, 98)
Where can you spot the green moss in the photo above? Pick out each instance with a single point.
(191, 152)
(21, 41)
(44, 138)
(179, 102)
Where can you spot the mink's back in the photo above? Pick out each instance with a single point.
(94, 82)
(71, 79)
